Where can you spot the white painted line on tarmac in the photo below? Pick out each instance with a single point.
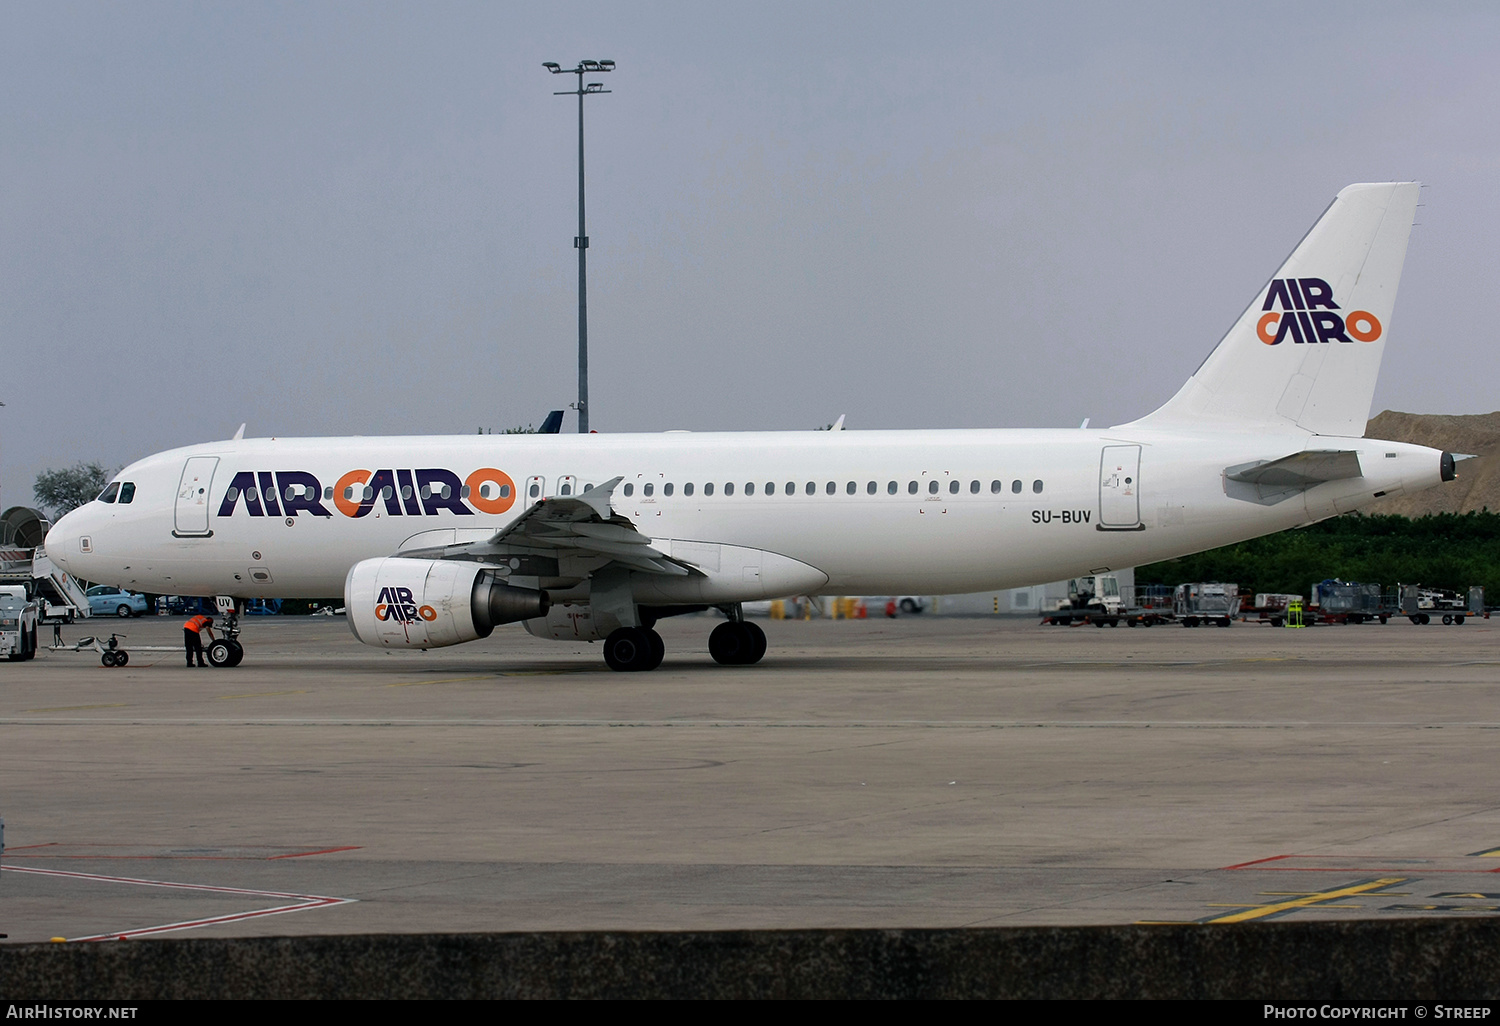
(298, 902)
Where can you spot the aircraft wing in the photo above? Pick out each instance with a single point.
(1299, 470)
(567, 528)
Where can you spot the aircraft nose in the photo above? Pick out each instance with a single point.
(64, 541)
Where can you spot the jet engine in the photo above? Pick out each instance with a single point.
(430, 603)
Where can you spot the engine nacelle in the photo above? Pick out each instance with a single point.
(430, 603)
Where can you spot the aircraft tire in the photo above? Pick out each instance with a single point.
(219, 653)
(757, 642)
(236, 653)
(628, 649)
(658, 649)
(108, 658)
(731, 644)
(121, 658)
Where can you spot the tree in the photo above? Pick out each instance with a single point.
(60, 491)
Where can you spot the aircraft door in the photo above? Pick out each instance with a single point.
(191, 518)
(567, 485)
(1119, 488)
(536, 488)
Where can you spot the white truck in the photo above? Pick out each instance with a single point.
(18, 619)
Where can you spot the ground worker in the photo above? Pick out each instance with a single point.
(190, 639)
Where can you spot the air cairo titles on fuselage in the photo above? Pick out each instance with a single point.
(412, 493)
(1307, 315)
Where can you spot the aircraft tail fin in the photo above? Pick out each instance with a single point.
(1307, 350)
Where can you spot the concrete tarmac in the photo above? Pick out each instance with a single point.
(889, 773)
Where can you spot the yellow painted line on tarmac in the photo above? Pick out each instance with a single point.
(1261, 911)
(1493, 853)
(444, 680)
(72, 708)
(261, 694)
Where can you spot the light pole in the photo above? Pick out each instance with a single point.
(581, 240)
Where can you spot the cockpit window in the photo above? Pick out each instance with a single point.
(108, 495)
(127, 492)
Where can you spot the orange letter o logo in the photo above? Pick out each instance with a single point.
(427, 613)
(1262, 329)
(1363, 325)
(503, 495)
(350, 507)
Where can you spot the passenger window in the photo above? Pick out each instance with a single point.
(666, 489)
(870, 488)
(629, 490)
(504, 491)
(953, 487)
(831, 487)
(996, 487)
(791, 488)
(890, 489)
(1036, 486)
(536, 490)
(567, 489)
(749, 487)
(811, 487)
(687, 489)
(974, 487)
(388, 493)
(708, 489)
(932, 487)
(367, 496)
(851, 487)
(328, 492)
(728, 487)
(127, 492)
(1015, 486)
(649, 488)
(911, 488)
(108, 495)
(251, 495)
(231, 495)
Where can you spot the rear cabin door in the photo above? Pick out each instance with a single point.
(192, 497)
(1119, 488)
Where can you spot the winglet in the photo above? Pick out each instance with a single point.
(240, 433)
(598, 496)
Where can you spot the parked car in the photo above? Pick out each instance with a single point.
(106, 598)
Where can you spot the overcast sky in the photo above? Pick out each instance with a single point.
(325, 218)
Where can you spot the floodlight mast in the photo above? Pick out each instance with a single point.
(581, 240)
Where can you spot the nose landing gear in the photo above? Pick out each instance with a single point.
(226, 650)
(737, 643)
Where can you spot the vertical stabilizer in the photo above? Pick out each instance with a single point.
(1307, 350)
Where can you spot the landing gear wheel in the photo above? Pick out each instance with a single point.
(736, 644)
(108, 658)
(121, 658)
(219, 652)
(757, 642)
(236, 652)
(658, 649)
(628, 649)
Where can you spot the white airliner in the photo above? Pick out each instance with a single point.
(436, 540)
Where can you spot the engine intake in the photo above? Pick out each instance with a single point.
(430, 603)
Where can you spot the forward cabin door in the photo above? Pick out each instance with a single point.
(192, 497)
(1119, 488)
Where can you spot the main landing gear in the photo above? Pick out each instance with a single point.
(634, 648)
(629, 649)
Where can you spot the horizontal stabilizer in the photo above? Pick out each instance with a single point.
(1299, 470)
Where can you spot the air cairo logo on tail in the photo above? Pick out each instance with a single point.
(1308, 314)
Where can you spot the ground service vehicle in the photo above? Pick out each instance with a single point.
(1420, 605)
(1206, 603)
(18, 623)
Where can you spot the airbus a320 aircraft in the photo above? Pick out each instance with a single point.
(437, 540)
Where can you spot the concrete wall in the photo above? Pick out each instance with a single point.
(1362, 960)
